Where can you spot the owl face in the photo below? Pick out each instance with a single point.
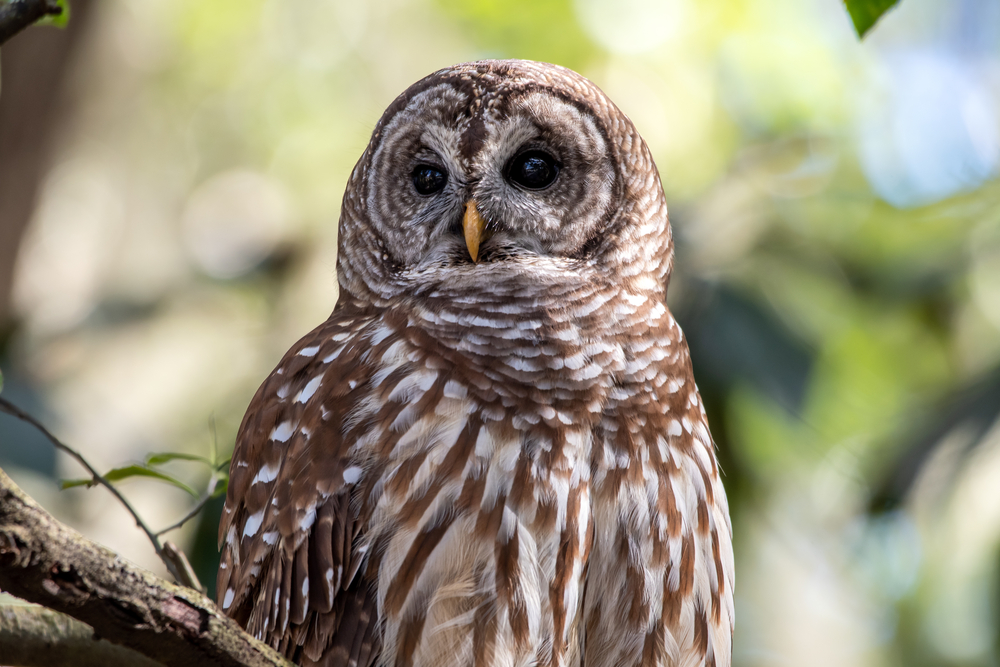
(481, 167)
(538, 174)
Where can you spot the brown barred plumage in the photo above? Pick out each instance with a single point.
(493, 452)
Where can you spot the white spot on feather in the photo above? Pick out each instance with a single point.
(674, 428)
(352, 475)
(270, 537)
(567, 334)
(309, 389)
(426, 380)
(333, 355)
(305, 588)
(454, 389)
(265, 474)
(381, 334)
(306, 522)
(252, 525)
(228, 600)
(282, 432)
(309, 351)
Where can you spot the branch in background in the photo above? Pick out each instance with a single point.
(16, 15)
(198, 506)
(45, 562)
(181, 571)
(38, 637)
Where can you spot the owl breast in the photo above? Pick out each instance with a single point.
(480, 523)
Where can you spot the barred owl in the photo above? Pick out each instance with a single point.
(493, 452)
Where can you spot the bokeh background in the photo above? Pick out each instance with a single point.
(170, 178)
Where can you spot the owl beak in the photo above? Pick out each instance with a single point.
(474, 227)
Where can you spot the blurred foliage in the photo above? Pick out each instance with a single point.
(837, 273)
(499, 29)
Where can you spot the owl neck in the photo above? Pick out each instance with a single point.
(538, 330)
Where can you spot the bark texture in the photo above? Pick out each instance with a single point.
(45, 562)
(39, 637)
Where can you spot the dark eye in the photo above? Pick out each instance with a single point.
(428, 180)
(533, 170)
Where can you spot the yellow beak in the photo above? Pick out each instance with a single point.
(474, 227)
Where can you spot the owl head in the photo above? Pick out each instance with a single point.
(502, 172)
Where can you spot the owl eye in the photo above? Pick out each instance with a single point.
(533, 170)
(428, 180)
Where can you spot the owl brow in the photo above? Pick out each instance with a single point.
(426, 154)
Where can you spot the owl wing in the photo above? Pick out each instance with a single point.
(289, 572)
(661, 573)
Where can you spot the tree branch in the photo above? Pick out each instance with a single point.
(45, 562)
(38, 637)
(177, 571)
(16, 15)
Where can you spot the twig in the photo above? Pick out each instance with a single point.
(198, 506)
(45, 562)
(16, 15)
(180, 560)
(14, 411)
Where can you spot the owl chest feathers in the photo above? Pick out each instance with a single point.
(489, 465)
(480, 526)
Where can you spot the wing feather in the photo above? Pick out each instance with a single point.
(289, 572)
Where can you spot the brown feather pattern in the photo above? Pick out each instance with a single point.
(495, 463)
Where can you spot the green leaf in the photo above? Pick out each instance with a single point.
(865, 13)
(164, 457)
(134, 470)
(58, 20)
(125, 472)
